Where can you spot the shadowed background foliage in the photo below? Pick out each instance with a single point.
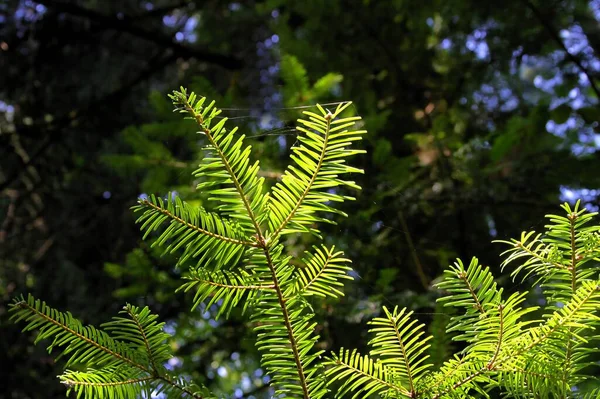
(482, 116)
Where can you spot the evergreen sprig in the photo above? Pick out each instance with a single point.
(234, 255)
(123, 359)
(506, 349)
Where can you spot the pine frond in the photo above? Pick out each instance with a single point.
(400, 345)
(472, 289)
(83, 344)
(141, 329)
(561, 259)
(109, 382)
(504, 323)
(456, 378)
(565, 324)
(225, 288)
(286, 332)
(540, 345)
(539, 258)
(123, 360)
(203, 235)
(309, 186)
(322, 273)
(229, 176)
(593, 394)
(531, 378)
(363, 376)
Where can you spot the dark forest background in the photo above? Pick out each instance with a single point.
(482, 117)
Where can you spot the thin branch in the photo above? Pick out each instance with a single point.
(316, 277)
(68, 382)
(405, 358)
(123, 25)
(287, 322)
(413, 251)
(398, 389)
(572, 219)
(537, 256)
(478, 305)
(144, 338)
(556, 37)
(198, 229)
(235, 287)
(262, 243)
(302, 196)
(228, 167)
(103, 348)
(82, 337)
(492, 362)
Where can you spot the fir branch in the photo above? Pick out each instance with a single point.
(359, 370)
(572, 219)
(287, 322)
(117, 355)
(311, 182)
(196, 228)
(559, 320)
(232, 175)
(491, 364)
(142, 332)
(22, 304)
(73, 382)
(188, 106)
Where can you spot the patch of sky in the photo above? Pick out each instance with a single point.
(214, 323)
(587, 139)
(590, 198)
(25, 14)
(8, 111)
(222, 371)
(595, 8)
(376, 226)
(265, 115)
(188, 31)
(173, 363)
(154, 395)
(491, 225)
(476, 43)
(170, 327)
(246, 382)
(170, 20)
(445, 44)
(575, 40)
(495, 95)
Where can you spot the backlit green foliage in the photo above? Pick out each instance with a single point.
(235, 256)
(507, 349)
